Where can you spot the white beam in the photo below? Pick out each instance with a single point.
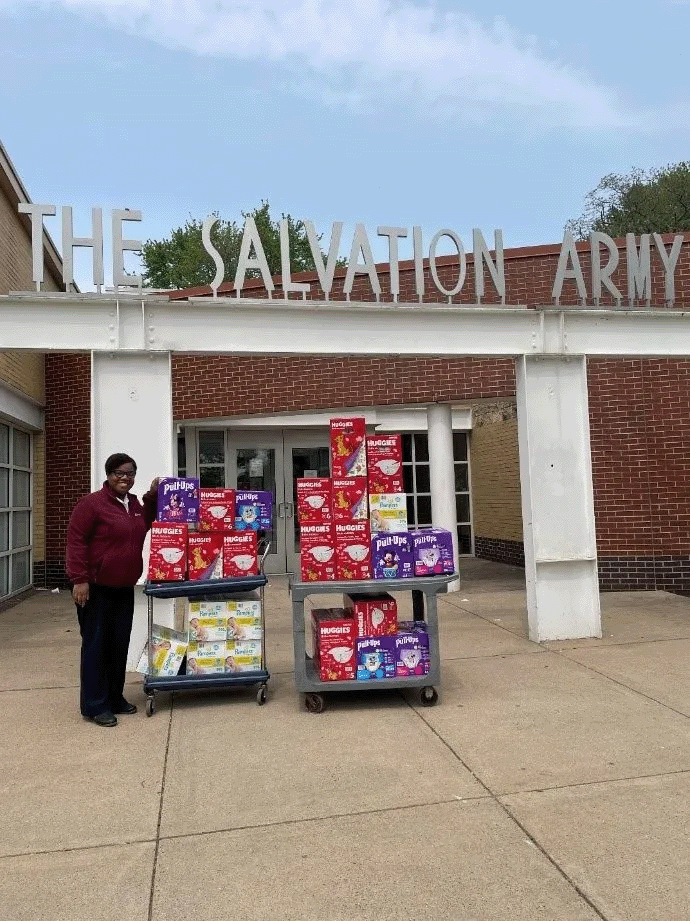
(442, 476)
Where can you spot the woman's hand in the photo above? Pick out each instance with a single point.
(80, 593)
(154, 484)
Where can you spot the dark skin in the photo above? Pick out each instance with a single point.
(120, 481)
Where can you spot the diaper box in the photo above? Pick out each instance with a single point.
(244, 617)
(411, 653)
(314, 500)
(349, 498)
(205, 665)
(375, 657)
(391, 556)
(388, 512)
(216, 509)
(352, 550)
(317, 552)
(178, 499)
(384, 463)
(168, 649)
(432, 549)
(240, 554)
(375, 615)
(243, 657)
(348, 448)
(334, 644)
(253, 511)
(205, 556)
(207, 629)
(168, 556)
(207, 650)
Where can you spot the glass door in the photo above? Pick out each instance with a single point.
(305, 454)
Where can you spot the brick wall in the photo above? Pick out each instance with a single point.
(495, 467)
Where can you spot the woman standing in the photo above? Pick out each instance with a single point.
(105, 539)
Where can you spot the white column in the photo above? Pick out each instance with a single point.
(442, 475)
(131, 411)
(557, 498)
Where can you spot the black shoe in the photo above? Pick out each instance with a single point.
(125, 707)
(103, 719)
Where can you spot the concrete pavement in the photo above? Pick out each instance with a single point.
(551, 781)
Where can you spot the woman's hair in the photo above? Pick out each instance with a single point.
(115, 460)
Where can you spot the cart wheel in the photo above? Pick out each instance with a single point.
(314, 703)
(428, 697)
(261, 695)
(150, 706)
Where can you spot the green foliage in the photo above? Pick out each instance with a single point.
(180, 260)
(638, 202)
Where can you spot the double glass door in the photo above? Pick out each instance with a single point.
(273, 461)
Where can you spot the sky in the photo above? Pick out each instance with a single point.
(439, 114)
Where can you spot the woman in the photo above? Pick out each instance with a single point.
(105, 539)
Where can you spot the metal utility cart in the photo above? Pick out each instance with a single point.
(196, 591)
(424, 590)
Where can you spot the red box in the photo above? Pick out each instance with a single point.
(334, 644)
(317, 552)
(352, 550)
(168, 557)
(240, 554)
(375, 615)
(217, 510)
(205, 556)
(348, 448)
(314, 500)
(384, 463)
(350, 499)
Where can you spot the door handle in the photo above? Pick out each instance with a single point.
(282, 510)
(289, 510)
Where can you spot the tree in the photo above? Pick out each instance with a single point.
(637, 202)
(180, 260)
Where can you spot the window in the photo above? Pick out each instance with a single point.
(15, 509)
(212, 458)
(417, 482)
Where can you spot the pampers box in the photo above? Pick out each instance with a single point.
(317, 552)
(253, 510)
(216, 509)
(243, 656)
(178, 500)
(314, 500)
(432, 549)
(168, 556)
(168, 649)
(348, 448)
(375, 657)
(349, 498)
(388, 512)
(384, 463)
(391, 556)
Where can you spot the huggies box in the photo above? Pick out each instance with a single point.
(432, 549)
(168, 556)
(349, 498)
(205, 556)
(334, 644)
(216, 509)
(391, 556)
(375, 615)
(384, 463)
(375, 657)
(314, 500)
(348, 447)
(352, 550)
(240, 554)
(253, 511)
(317, 552)
(388, 512)
(178, 500)
(411, 654)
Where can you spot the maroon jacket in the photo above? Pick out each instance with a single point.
(105, 542)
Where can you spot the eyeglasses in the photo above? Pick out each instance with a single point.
(124, 474)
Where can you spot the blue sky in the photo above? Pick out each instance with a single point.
(451, 114)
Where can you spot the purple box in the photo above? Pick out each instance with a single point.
(391, 555)
(411, 653)
(178, 500)
(432, 550)
(253, 510)
(375, 657)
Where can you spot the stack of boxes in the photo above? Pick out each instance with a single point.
(208, 534)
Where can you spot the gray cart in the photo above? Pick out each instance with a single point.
(424, 591)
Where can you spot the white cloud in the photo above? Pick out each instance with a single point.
(370, 52)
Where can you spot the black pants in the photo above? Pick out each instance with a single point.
(105, 622)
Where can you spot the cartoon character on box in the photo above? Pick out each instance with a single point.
(412, 660)
(371, 664)
(389, 564)
(175, 508)
(247, 517)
